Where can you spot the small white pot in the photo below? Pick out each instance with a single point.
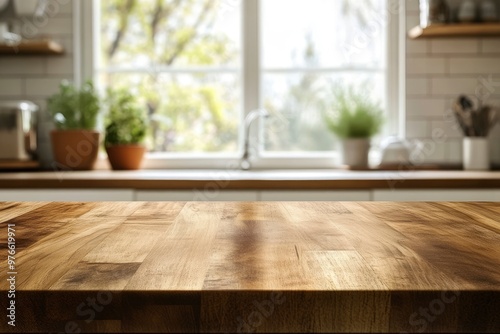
(476, 153)
(355, 152)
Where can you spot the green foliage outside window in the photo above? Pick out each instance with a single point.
(188, 112)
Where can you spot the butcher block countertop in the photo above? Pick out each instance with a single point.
(251, 180)
(252, 267)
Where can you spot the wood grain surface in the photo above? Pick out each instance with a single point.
(331, 179)
(253, 267)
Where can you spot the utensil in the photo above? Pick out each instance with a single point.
(474, 122)
(467, 11)
(460, 119)
(489, 11)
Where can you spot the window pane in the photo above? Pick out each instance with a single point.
(296, 123)
(324, 33)
(308, 45)
(182, 60)
(170, 33)
(188, 113)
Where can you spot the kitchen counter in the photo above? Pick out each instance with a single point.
(240, 180)
(245, 267)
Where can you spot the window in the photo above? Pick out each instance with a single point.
(182, 59)
(200, 66)
(312, 47)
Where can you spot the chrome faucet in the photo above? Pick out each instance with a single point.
(251, 117)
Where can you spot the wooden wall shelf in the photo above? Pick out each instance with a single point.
(33, 47)
(11, 165)
(456, 30)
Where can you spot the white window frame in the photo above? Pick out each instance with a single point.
(86, 38)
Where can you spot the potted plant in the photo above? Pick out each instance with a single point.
(126, 127)
(354, 118)
(75, 142)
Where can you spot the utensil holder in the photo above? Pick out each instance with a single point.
(476, 154)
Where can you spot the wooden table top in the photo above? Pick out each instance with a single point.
(200, 248)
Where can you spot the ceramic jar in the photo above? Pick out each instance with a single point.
(476, 154)
(433, 12)
(489, 11)
(467, 11)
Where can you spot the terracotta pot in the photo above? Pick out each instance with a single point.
(75, 149)
(126, 157)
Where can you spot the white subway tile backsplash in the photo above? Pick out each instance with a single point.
(417, 86)
(454, 86)
(59, 8)
(490, 45)
(11, 87)
(490, 65)
(60, 66)
(50, 26)
(449, 128)
(426, 65)
(454, 46)
(433, 151)
(412, 5)
(454, 152)
(426, 107)
(19, 66)
(412, 20)
(417, 47)
(416, 129)
(42, 87)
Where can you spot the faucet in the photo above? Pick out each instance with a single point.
(251, 117)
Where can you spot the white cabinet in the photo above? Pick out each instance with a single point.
(401, 195)
(437, 195)
(304, 196)
(251, 196)
(66, 195)
(197, 195)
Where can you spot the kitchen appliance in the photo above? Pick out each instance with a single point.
(18, 131)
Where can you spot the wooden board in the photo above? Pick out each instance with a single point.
(252, 180)
(253, 267)
(32, 47)
(12, 165)
(456, 30)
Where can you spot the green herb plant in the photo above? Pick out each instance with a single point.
(352, 114)
(75, 109)
(126, 122)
